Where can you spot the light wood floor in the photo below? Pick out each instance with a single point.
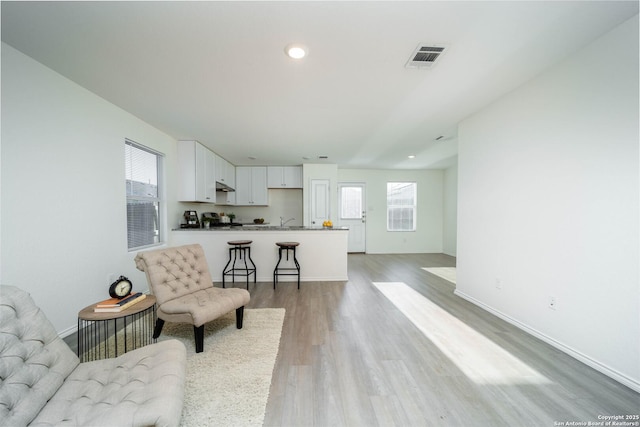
(349, 357)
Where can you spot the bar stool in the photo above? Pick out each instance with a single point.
(288, 271)
(239, 250)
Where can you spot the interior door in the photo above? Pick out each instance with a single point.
(320, 208)
(352, 214)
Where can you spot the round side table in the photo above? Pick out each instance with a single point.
(105, 335)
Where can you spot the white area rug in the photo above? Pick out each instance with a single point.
(228, 383)
(447, 273)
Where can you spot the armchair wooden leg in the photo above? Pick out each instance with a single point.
(239, 317)
(198, 332)
(158, 328)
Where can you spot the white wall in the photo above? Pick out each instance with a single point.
(450, 215)
(63, 195)
(428, 236)
(548, 205)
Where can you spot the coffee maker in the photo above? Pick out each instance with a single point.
(191, 220)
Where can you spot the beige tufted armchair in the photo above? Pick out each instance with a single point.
(180, 280)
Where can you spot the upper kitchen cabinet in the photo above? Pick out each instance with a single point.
(196, 173)
(284, 176)
(225, 182)
(251, 186)
(225, 173)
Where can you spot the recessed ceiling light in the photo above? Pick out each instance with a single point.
(252, 158)
(411, 156)
(295, 51)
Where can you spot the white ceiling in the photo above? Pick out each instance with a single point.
(217, 72)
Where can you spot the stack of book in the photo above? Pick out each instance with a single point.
(115, 305)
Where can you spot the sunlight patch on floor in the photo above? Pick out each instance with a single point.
(475, 355)
(447, 273)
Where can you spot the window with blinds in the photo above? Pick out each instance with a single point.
(401, 206)
(143, 170)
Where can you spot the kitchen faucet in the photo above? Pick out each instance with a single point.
(283, 222)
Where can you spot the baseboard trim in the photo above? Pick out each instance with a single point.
(604, 369)
(65, 333)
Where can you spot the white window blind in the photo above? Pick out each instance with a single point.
(143, 168)
(401, 206)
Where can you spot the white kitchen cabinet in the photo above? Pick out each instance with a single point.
(251, 186)
(196, 173)
(230, 175)
(284, 177)
(210, 175)
(225, 172)
(226, 198)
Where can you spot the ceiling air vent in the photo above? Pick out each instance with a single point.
(425, 56)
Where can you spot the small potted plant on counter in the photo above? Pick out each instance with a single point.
(231, 216)
(206, 222)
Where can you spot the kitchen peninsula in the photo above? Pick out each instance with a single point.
(322, 253)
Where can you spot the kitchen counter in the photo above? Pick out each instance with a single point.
(322, 253)
(264, 228)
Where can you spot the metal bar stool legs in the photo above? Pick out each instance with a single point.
(240, 250)
(286, 271)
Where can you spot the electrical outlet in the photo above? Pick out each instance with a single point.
(112, 278)
(498, 284)
(552, 303)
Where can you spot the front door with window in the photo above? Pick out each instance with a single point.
(352, 214)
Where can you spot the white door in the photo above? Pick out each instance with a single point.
(320, 209)
(352, 214)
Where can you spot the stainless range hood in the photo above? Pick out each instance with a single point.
(223, 187)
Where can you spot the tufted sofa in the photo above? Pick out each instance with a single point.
(43, 383)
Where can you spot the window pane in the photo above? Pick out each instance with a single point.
(401, 206)
(351, 203)
(401, 193)
(142, 170)
(400, 219)
(142, 223)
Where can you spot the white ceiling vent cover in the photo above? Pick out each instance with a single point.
(425, 56)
